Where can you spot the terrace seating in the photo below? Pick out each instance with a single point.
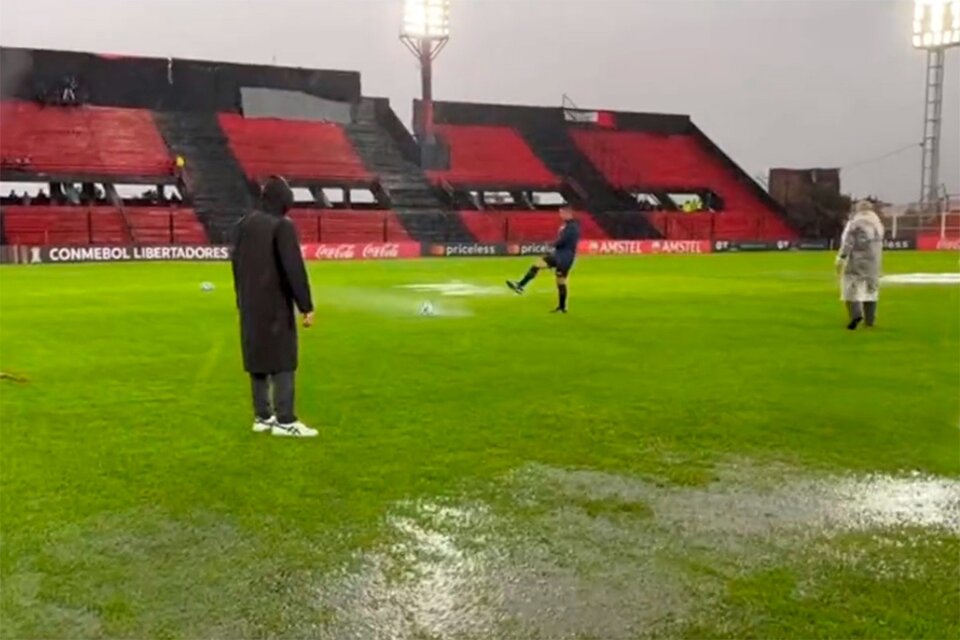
(81, 141)
(61, 225)
(315, 225)
(637, 159)
(295, 149)
(491, 156)
(34, 225)
(524, 226)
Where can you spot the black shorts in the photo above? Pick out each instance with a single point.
(562, 264)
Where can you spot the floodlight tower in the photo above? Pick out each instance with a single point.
(425, 32)
(936, 28)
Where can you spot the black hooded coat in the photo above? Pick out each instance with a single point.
(269, 278)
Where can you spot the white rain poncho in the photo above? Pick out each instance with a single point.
(861, 254)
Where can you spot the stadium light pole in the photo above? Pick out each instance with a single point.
(936, 28)
(425, 32)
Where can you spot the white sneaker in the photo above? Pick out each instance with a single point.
(260, 425)
(294, 429)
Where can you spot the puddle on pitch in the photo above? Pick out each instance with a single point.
(922, 278)
(582, 553)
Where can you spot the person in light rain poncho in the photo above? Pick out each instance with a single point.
(858, 263)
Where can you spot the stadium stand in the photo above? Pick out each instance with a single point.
(58, 225)
(84, 140)
(297, 150)
(348, 226)
(46, 225)
(491, 156)
(525, 226)
(128, 134)
(646, 161)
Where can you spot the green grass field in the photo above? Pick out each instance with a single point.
(700, 449)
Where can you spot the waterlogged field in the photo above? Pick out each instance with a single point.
(700, 449)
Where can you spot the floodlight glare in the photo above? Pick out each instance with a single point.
(936, 23)
(426, 19)
(936, 28)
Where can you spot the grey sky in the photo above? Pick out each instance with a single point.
(775, 83)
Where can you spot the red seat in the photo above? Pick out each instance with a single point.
(108, 227)
(82, 140)
(589, 228)
(307, 222)
(151, 225)
(63, 225)
(295, 149)
(39, 225)
(353, 226)
(486, 226)
(396, 232)
(491, 156)
(187, 228)
(532, 227)
(344, 225)
(525, 226)
(639, 159)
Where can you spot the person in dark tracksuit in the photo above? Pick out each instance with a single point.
(560, 260)
(269, 278)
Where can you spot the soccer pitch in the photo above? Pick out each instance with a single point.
(698, 449)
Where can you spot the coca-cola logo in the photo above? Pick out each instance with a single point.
(380, 251)
(946, 244)
(335, 252)
(361, 251)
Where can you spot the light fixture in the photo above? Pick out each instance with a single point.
(426, 19)
(936, 28)
(936, 23)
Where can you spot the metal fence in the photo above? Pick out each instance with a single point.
(912, 220)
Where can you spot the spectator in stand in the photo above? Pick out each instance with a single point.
(88, 194)
(42, 197)
(56, 193)
(72, 194)
(179, 163)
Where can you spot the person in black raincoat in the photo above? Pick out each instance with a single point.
(270, 279)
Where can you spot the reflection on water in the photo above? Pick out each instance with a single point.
(579, 553)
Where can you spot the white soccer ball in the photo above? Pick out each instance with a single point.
(206, 286)
(427, 309)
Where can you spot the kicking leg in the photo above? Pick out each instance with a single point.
(542, 263)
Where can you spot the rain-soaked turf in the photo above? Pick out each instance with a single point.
(698, 449)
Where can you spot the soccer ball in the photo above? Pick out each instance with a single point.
(206, 286)
(427, 309)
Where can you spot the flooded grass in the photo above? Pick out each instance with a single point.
(501, 474)
(573, 554)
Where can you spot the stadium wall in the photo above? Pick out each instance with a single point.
(467, 113)
(348, 251)
(159, 84)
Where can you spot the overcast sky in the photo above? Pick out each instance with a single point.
(795, 83)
